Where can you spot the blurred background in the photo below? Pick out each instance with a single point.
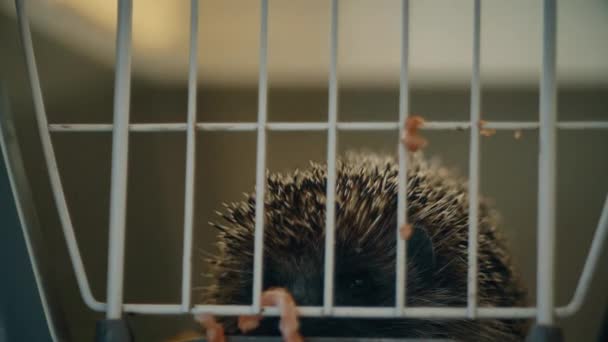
(74, 45)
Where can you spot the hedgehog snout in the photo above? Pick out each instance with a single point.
(306, 290)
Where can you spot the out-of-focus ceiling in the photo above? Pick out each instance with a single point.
(369, 39)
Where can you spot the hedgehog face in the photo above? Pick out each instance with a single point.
(362, 277)
(303, 277)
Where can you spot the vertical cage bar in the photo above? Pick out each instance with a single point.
(260, 183)
(401, 264)
(190, 159)
(547, 169)
(593, 258)
(120, 153)
(51, 162)
(474, 157)
(330, 219)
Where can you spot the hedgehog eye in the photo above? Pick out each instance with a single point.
(357, 284)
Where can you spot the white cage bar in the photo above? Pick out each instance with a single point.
(260, 164)
(120, 161)
(547, 169)
(474, 156)
(545, 310)
(190, 160)
(332, 141)
(322, 126)
(51, 161)
(401, 255)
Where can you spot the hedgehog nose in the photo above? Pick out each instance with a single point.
(306, 291)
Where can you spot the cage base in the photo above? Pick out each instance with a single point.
(544, 333)
(113, 330)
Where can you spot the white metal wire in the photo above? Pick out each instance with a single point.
(593, 258)
(545, 310)
(375, 312)
(190, 160)
(342, 311)
(547, 170)
(321, 126)
(260, 182)
(589, 269)
(120, 157)
(51, 162)
(582, 290)
(474, 157)
(330, 211)
(401, 255)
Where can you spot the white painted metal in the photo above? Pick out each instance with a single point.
(599, 240)
(401, 255)
(120, 157)
(582, 124)
(330, 211)
(321, 126)
(547, 170)
(51, 162)
(190, 160)
(547, 126)
(590, 267)
(474, 156)
(260, 181)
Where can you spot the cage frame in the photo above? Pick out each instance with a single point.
(545, 310)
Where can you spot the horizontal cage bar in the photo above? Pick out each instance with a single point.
(345, 312)
(322, 126)
(589, 268)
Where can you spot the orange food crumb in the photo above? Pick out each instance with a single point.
(406, 231)
(414, 143)
(411, 139)
(289, 324)
(214, 331)
(486, 132)
(517, 134)
(279, 297)
(248, 323)
(413, 123)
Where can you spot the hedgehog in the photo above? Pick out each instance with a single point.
(365, 249)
